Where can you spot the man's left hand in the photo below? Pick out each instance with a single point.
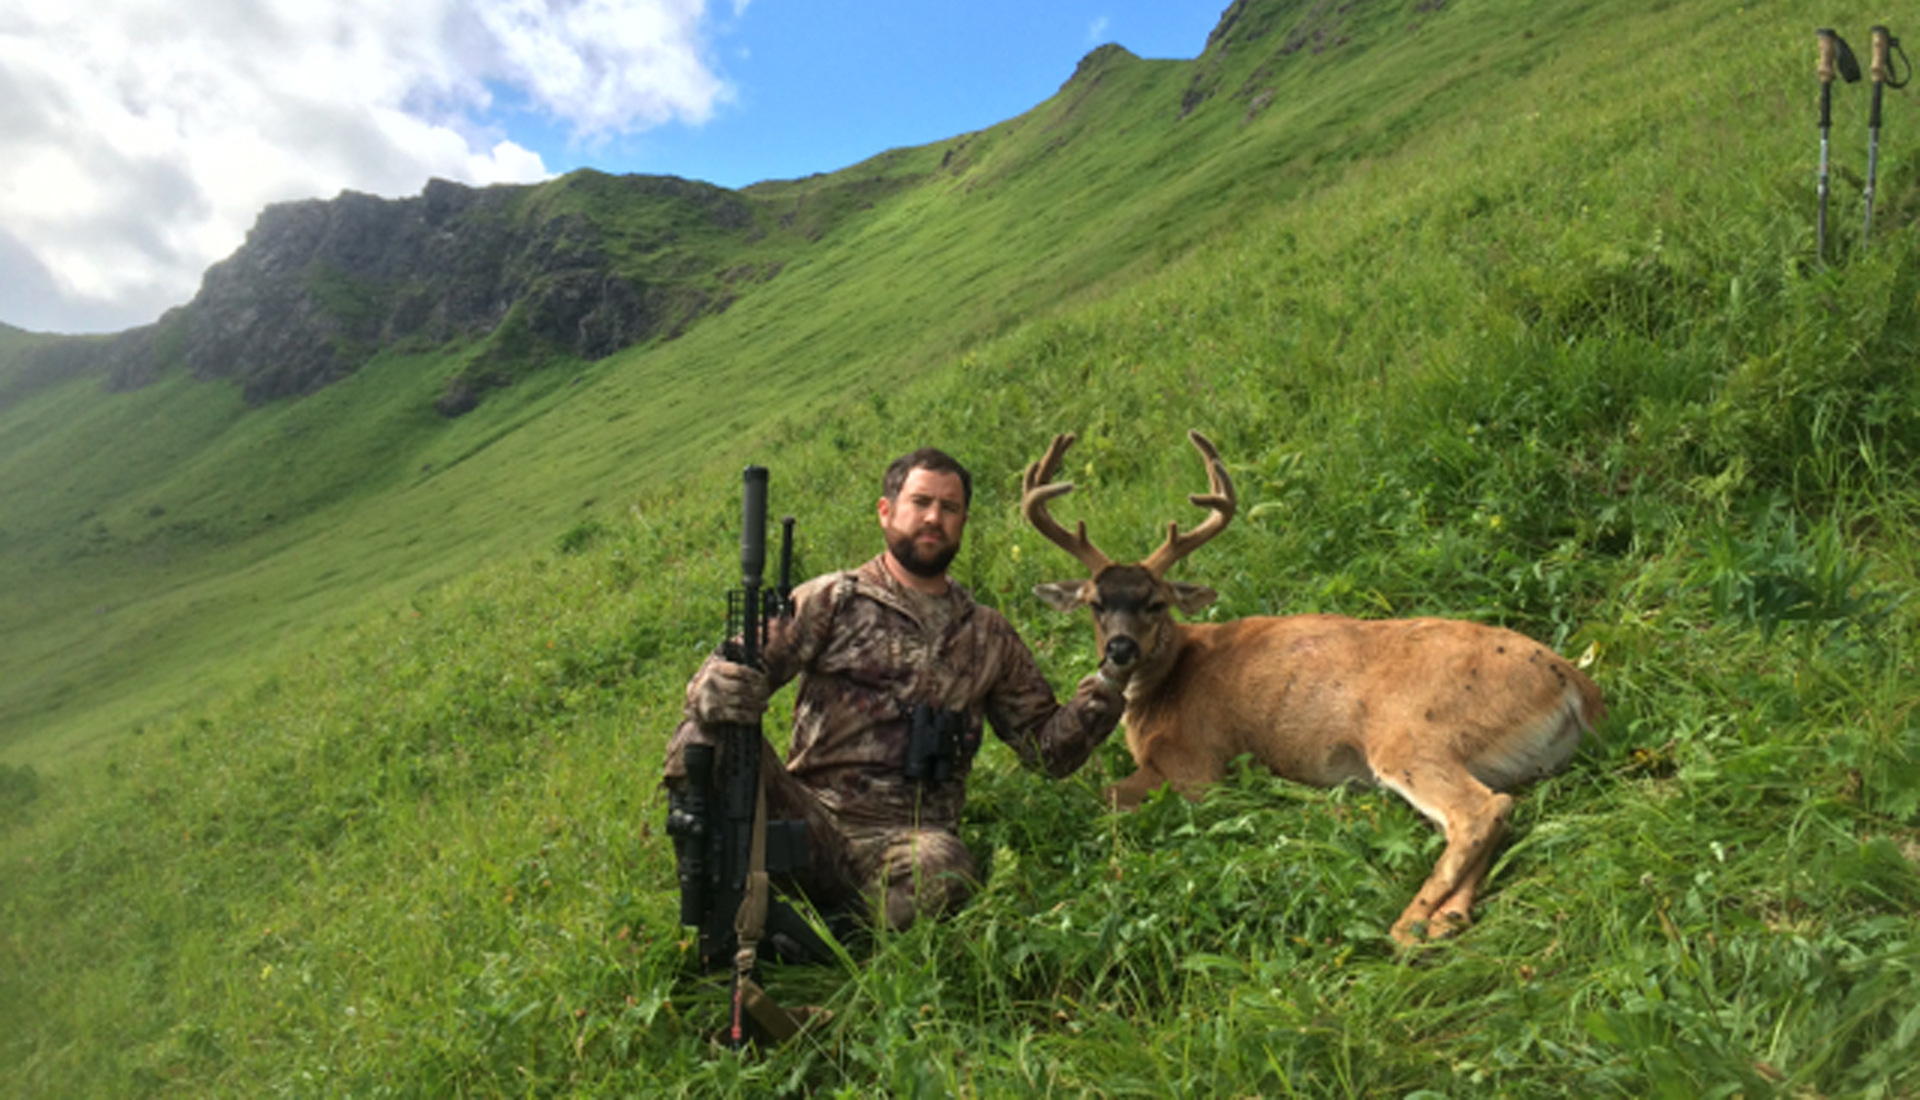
(730, 694)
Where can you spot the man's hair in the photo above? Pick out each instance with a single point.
(926, 458)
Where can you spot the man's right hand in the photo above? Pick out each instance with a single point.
(730, 694)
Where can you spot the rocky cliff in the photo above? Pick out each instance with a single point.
(581, 266)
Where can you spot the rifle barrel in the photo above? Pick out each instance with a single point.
(753, 558)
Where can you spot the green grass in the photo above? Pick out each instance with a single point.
(1553, 352)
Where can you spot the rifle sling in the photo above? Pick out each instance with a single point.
(749, 923)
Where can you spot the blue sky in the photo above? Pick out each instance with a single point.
(822, 85)
(139, 139)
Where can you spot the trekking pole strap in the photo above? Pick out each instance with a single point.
(1885, 45)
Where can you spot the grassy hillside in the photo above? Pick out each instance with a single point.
(155, 544)
(1527, 328)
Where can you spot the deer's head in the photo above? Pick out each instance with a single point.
(1131, 603)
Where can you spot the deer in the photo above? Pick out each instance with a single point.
(1448, 714)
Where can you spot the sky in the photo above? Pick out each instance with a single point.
(139, 139)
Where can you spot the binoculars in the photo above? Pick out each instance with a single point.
(935, 743)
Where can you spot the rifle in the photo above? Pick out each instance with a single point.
(724, 844)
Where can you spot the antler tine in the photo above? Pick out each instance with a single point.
(1220, 501)
(1038, 487)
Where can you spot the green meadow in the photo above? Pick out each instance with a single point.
(330, 729)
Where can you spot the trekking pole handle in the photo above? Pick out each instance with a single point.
(1829, 57)
(1878, 69)
(1836, 58)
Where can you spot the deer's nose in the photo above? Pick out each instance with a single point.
(1122, 651)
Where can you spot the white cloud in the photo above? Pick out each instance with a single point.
(1097, 33)
(140, 138)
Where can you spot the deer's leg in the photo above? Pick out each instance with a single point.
(1188, 771)
(1456, 912)
(1473, 818)
(1128, 793)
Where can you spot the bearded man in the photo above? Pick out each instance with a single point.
(877, 651)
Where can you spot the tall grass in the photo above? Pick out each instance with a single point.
(1566, 363)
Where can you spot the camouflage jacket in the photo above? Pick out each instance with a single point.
(866, 649)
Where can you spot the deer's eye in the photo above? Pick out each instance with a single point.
(1099, 606)
(1157, 607)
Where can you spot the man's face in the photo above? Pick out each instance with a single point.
(923, 524)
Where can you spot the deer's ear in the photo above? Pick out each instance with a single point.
(1192, 599)
(1061, 595)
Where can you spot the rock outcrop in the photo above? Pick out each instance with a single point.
(320, 287)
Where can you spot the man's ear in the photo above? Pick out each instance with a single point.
(1192, 599)
(1061, 595)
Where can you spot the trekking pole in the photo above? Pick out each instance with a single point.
(1835, 56)
(1880, 68)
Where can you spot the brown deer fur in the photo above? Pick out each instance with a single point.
(1446, 713)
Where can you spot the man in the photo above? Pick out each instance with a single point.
(872, 647)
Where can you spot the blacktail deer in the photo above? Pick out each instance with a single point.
(1443, 712)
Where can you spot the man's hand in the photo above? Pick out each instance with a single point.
(1103, 691)
(730, 694)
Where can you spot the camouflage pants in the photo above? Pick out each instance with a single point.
(894, 871)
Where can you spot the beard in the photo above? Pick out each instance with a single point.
(904, 551)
